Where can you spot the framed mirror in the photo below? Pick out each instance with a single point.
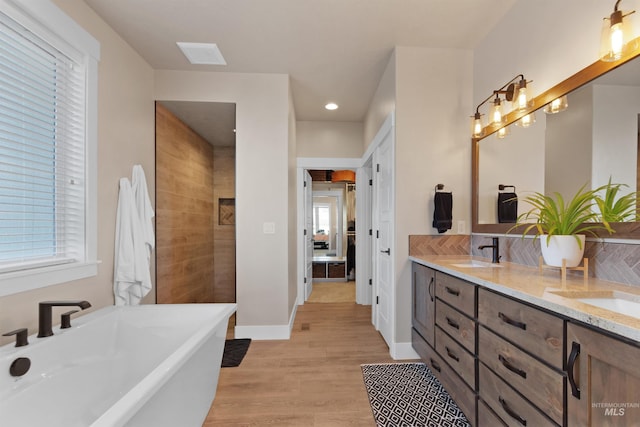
(561, 152)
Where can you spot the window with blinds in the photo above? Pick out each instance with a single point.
(42, 152)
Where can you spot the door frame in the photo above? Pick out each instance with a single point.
(320, 163)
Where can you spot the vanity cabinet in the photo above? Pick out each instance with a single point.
(521, 360)
(604, 379)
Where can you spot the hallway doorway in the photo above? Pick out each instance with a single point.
(195, 202)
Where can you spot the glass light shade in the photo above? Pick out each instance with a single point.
(503, 132)
(557, 105)
(521, 97)
(527, 120)
(477, 128)
(497, 117)
(616, 36)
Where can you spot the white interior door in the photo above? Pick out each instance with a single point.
(384, 252)
(308, 237)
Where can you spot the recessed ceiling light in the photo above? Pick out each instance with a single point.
(331, 106)
(202, 53)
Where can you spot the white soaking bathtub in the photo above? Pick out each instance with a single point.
(148, 365)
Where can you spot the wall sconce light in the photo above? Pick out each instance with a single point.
(616, 34)
(514, 91)
(557, 105)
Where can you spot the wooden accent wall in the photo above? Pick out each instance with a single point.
(224, 241)
(184, 206)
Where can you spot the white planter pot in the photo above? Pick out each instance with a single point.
(562, 247)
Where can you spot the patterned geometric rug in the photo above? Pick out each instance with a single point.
(408, 395)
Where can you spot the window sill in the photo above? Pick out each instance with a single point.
(28, 280)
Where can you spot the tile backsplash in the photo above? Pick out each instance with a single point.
(616, 262)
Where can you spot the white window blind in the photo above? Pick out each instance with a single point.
(42, 152)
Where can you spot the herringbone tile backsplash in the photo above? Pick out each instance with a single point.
(616, 262)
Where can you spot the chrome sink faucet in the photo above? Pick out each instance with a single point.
(495, 258)
(44, 314)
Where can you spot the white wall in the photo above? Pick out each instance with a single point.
(615, 135)
(125, 137)
(263, 186)
(432, 146)
(329, 139)
(382, 103)
(293, 209)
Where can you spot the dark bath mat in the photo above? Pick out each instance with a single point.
(234, 351)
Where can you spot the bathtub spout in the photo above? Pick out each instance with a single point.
(44, 314)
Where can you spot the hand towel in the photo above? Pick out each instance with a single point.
(143, 208)
(507, 207)
(442, 213)
(131, 276)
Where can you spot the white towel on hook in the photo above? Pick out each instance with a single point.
(131, 276)
(144, 208)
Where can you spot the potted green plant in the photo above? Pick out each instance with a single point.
(614, 208)
(562, 226)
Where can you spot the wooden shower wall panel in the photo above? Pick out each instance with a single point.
(184, 205)
(224, 166)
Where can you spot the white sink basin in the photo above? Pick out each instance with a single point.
(476, 264)
(618, 305)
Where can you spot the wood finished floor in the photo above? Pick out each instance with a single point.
(313, 379)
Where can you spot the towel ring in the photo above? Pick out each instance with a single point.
(502, 187)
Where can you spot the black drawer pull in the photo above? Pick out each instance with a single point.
(510, 321)
(430, 288)
(435, 365)
(505, 362)
(511, 412)
(452, 323)
(573, 356)
(453, 292)
(451, 354)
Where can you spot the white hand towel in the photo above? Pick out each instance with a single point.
(144, 208)
(131, 276)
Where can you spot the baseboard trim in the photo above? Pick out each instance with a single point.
(267, 332)
(403, 351)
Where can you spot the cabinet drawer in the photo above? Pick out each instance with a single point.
(488, 418)
(336, 270)
(457, 293)
(457, 357)
(509, 405)
(464, 397)
(539, 333)
(456, 324)
(534, 380)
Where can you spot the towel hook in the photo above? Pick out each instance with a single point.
(502, 187)
(439, 187)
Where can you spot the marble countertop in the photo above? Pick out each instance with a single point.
(544, 289)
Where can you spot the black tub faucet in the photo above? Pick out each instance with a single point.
(495, 258)
(44, 314)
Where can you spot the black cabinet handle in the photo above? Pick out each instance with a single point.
(388, 251)
(451, 354)
(453, 292)
(430, 288)
(452, 323)
(510, 321)
(511, 412)
(435, 365)
(573, 356)
(505, 362)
